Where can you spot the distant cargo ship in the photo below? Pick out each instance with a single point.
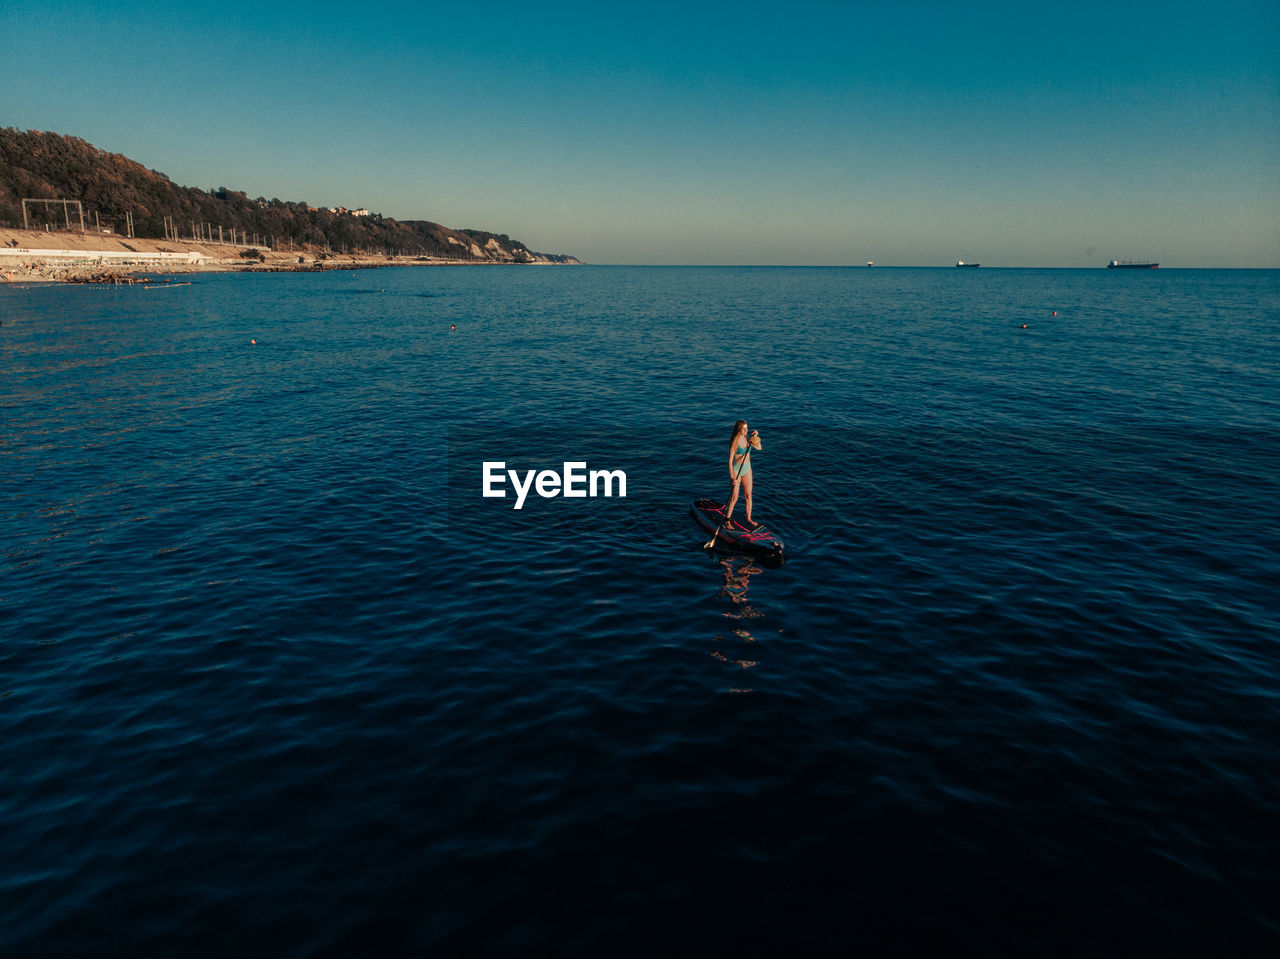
(1127, 265)
(963, 263)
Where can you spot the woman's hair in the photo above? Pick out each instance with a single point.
(736, 426)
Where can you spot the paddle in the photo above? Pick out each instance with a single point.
(712, 541)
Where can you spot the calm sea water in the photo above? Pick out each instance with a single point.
(276, 678)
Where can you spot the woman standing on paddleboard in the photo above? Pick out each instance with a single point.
(740, 447)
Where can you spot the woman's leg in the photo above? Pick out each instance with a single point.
(746, 489)
(733, 498)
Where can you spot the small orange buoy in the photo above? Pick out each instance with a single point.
(1055, 312)
(253, 342)
(1024, 326)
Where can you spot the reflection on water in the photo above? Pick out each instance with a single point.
(735, 646)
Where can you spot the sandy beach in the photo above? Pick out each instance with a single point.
(37, 256)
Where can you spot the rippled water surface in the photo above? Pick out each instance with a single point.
(276, 678)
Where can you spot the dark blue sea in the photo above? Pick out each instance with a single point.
(276, 678)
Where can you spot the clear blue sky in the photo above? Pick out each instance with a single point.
(1017, 134)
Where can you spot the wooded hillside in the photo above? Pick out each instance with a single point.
(119, 194)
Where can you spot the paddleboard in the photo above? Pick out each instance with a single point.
(760, 540)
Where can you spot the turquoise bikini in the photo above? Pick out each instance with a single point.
(745, 465)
